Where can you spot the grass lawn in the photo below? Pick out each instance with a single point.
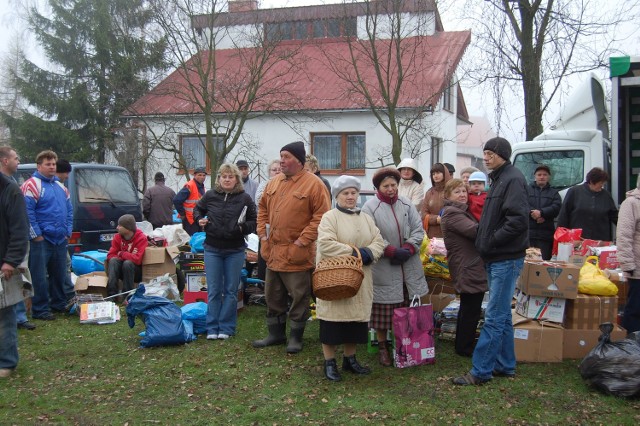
(96, 374)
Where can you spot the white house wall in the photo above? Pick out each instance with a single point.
(412, 25)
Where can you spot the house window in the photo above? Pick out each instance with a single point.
(299, 30)
(194, 151)
(447, 100)
(339, 152)
(436, 150)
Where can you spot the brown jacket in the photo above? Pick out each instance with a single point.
(433, 203)
(467, 268)
(292, 207)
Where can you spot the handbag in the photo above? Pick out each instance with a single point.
(413, 332)
(338, 277)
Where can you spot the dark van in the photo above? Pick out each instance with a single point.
(100, 194)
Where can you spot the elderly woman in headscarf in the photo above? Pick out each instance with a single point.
(398, 276)
(343, 231)
(434, 201)
(411, 184)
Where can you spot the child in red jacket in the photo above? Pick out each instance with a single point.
(477, 193)
(125, 255)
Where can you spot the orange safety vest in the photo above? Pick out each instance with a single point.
(190, 202)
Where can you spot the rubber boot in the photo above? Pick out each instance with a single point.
(350, 363)
(331, 370)
(295, 336)
(277, 327)
(383, 354)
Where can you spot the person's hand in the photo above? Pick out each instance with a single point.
(298, 243)
(203, 222)
(38, 239)
(540, 220)
(7, 270)
(402, 254)
(438, 220)
(535, 215)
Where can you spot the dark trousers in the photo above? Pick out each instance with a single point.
(545, 246)
(280, 286)
(631, 318)
(124, 270)
(468, 317)
(191, 228)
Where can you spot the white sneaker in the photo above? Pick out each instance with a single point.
(223, 336)
(212, 336)
(6, 372)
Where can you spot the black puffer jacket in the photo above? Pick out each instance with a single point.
(503, 232)
(548, 201)
(14, 224)
(223, 210)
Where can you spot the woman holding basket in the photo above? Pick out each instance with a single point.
(343, 231)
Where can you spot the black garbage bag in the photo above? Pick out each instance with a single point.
(613, 367)
(161, 317)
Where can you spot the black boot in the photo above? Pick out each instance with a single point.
(277, 327)
(350, 363)
(331, 370)
(295, 336)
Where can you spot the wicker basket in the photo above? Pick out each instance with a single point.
(338, 277)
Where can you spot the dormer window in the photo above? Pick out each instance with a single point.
(317, 29)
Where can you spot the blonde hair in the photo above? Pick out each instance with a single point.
(452, 185)
(233, 169)
(312, 161)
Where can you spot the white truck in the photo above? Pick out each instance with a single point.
(579, 138)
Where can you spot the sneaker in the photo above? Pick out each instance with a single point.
(27, 325)
(5, 372)
(223, 336)
(212, 336)
(469, 379)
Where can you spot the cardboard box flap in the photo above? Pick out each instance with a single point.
(93, 279)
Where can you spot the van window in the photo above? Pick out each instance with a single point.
(567, 167)
(104, 185)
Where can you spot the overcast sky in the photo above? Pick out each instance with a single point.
(11, 27)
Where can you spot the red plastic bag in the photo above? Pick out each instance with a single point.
(565, 235)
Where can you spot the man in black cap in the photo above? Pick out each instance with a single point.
(450, 167)
(186, 199)
(157, 204)
(501, 241)
(63, 168)
(124, 259)
(250, 185)
(544, 205)
(288, 217)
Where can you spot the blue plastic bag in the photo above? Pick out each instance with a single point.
(197, 314)
(161, 317)
(197, 242)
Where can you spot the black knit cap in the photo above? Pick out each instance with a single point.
(383, 173)
(500, 146)
(63, 166)
(297, 150)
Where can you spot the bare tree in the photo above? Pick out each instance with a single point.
(532, 46)
(389, 69)
(226, 73)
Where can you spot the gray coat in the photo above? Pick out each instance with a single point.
(628, 234)
(398, 223)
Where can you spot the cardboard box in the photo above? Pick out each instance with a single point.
(588, 312)
(549, 279)
(92, 283)
(438, 301)
(158, 261)
(195, 281)
(540, 308)
(437, 286)
(578, 343)
(535, 342)
(192, 265)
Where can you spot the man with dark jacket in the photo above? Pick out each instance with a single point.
(14, 239)
(544, 205)
(157, 204)
(502, 240)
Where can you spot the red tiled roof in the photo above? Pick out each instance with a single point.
(312, 82)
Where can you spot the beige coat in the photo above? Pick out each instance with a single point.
(337, 231)
(628, 233)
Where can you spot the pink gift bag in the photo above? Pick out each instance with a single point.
(413, 335)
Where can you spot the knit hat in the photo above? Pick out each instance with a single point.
(478, 177)
(344, 182)
(542, 167)
(200, 170)
(63, 166)
(500, 146)
(127, 221)
(159, 177)
(297, 150)
(383, 173)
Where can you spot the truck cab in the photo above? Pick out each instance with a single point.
(577, 140)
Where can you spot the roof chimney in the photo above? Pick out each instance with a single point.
(242, 5)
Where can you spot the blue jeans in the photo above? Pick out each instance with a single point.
(8, 338)
(631, 317)
(495, 349)
(21, 312)
(53, 293)
(223, 279)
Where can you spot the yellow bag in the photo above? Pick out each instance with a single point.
(435, 266)
(593, 281)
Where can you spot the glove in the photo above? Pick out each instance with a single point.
(402, 255)
(409, 247)
(367, 256)
(390, 251)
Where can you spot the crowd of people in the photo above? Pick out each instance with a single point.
(486, 222)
